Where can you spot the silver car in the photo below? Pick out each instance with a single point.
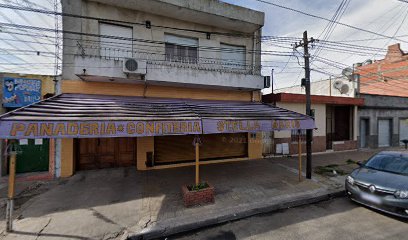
(381, 183)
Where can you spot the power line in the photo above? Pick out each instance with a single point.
(324, 18)
(332, 24)
(368, 39)
(396, 31)
(205, 48)
(270, 38)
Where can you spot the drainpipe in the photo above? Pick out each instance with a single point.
(330, 86)
(357, 81)
(254, 53)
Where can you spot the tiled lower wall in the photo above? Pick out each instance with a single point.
(318, 145)
(345, 145)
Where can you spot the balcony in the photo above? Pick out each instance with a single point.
(92, 63)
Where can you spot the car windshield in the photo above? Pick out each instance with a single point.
(389, 163)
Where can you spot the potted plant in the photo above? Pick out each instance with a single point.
(200, 192)
(197, 194)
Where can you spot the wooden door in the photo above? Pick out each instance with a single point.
(33, 157)
(87, 148)
(125, 154)
(97, 153)
(105, 152)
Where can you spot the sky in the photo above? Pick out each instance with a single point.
(381, 16)
(387, 17)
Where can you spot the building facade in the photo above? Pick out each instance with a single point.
(383, 119)
(201, 50)
(335, 118)
(19, 90)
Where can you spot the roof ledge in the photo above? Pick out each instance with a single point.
(208, 12)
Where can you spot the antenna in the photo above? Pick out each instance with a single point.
(347, 72)
(57, 43)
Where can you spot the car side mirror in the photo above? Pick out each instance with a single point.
(360, 163)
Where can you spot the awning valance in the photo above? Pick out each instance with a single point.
(90, 116)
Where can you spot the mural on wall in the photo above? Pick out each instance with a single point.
(20, 92)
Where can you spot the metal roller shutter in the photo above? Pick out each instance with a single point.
(384, 133)
(403, 132)
(179, 149)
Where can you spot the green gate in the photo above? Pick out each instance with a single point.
(33, 157)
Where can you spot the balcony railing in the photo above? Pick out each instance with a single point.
(155, 57)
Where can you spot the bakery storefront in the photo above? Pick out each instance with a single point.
(100, 131)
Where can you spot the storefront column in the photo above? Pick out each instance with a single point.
(255, 145)
(51, 159)
(145, 145)
(355, 123)
(67, 157)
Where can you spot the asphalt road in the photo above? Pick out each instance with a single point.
(334, 219)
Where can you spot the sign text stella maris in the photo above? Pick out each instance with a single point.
(89, 129)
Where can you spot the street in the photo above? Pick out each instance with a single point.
(335, 219)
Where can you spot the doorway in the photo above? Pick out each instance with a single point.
(364, 132)
(384, 133)
(98, 153)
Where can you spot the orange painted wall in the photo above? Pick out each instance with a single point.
(122, 89)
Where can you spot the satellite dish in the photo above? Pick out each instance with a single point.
(344, 89)
(347, 72)
(367, 62)
(337, 85)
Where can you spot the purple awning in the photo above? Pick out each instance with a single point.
(88, 116)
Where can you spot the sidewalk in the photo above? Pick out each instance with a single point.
(120, 203)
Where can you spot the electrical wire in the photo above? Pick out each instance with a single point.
(324, 18)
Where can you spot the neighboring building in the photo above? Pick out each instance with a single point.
(335, 118)
(19, 90)
(153, 57)
(336, 87)
(384, 86)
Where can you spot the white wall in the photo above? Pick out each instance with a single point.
(324, 88)
(88, 8)
(320, 117)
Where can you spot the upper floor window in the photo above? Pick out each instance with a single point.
(119, 44)
(233, 56)
(181, 49)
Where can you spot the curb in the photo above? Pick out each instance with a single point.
(167, 231)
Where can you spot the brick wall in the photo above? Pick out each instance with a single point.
(193, 198)
(345, 145)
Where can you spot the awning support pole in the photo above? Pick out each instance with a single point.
(197, 163)
(10, 200)
(300, 156)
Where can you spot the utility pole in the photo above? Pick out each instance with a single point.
(309, 132)
(272, 80)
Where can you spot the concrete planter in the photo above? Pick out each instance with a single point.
(199, 197)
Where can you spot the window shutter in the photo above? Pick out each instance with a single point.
(116, 48)
(233, 56)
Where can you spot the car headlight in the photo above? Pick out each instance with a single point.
(401, 194)
(350, 180)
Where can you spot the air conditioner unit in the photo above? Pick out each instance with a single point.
(342, 87)
(134, 66)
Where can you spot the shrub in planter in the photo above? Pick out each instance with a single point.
(197, 194)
